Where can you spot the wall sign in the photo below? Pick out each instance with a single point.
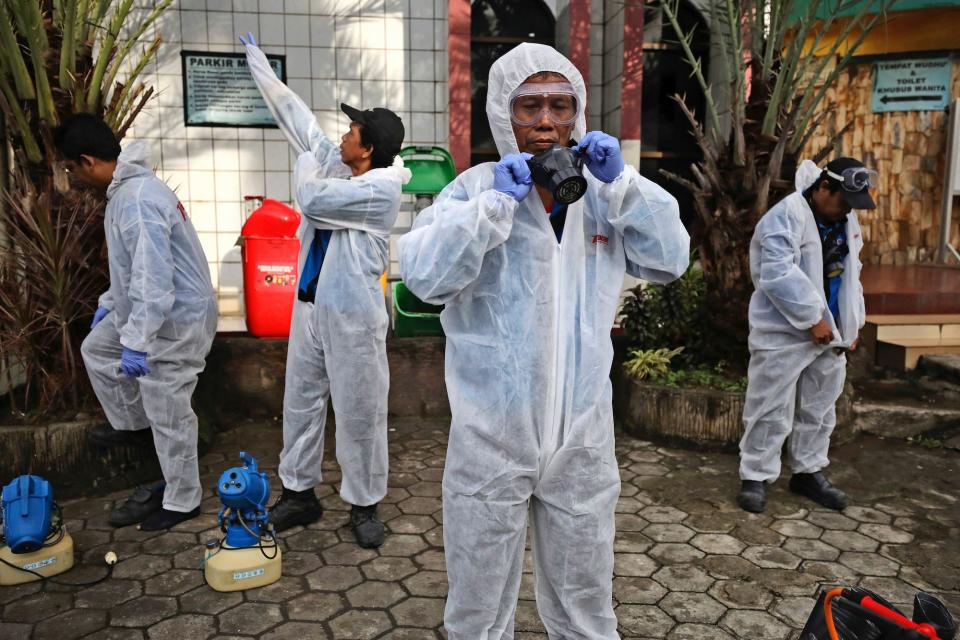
(921, 84)
(218, 90)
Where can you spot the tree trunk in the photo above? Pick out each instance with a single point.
(725, 255)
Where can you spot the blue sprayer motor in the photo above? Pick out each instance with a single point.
(244, 492)
(27, 513)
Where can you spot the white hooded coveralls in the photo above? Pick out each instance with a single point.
(161, 302)
(528, 360)
(337, 348)
(793, 384)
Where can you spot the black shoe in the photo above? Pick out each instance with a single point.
(103, 435)
(816, 487)
(293, 508)
(143, 502)
(164, 519)
(752, 496)
(367, 528)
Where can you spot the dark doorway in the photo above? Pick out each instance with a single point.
(496, 26)
(666, 142)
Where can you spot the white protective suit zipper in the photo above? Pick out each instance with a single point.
(548, 445)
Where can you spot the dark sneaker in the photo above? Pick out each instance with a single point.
(293, 508)
(816, 487)
(752, 496)
(143, 502)
(367, 528)
(103, 435)
(165, 519)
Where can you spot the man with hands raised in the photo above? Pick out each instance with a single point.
(349, 195)
(531, 288)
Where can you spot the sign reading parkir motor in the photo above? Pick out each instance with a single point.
(921, 84)
(218, 90)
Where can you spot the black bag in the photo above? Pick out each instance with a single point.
(856, 619)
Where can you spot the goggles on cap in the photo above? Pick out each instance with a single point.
(855, 178)
(531, 101)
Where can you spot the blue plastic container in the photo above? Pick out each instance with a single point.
(27, 511)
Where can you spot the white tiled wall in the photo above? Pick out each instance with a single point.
(366, 53)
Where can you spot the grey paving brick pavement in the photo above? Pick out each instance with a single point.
(689, 564)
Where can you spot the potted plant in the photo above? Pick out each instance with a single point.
(670, 385)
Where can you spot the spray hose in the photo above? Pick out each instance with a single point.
(868, 603)
(828, 612)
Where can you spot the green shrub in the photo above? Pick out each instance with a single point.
(668, 316)
(666, 326)
(650, 363)
(702, 377)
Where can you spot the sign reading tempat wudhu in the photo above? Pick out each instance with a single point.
(218, 90)
(922, 84)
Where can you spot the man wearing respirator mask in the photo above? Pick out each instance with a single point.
(528, 254)
(805, 314)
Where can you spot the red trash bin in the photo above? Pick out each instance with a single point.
(270, 249)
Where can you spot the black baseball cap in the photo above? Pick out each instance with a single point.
(856, 199)
(384, 127)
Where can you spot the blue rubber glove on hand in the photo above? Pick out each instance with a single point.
(99, 315)
(602, 155)
(512, 176)
(133, 363)
(250, 40)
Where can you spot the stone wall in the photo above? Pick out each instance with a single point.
(908, 149)
(244, 379)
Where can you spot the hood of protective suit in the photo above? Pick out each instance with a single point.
(807, 174)
(133, 161)
(509, 72)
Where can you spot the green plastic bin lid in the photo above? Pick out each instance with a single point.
(413, 317)
(432, 169)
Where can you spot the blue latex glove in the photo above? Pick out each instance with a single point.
(99, 315)
(512, 176)
(133, 363)
(602, 156)
(250, 40)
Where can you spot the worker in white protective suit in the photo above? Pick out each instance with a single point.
(805, 315)
(349, 196)
(153, 328)
(531, 289)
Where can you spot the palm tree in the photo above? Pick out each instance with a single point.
(58, 57)
(780, 58)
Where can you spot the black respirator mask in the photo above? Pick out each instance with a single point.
(560, 170)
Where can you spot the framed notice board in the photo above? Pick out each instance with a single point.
(218, 90)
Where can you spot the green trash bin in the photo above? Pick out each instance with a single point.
(413, 317)
(432, 169)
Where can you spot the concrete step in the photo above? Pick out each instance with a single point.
(902, 354)
(902, 420)
(897, 341)
(914, 318)
(943, 367)
(915, 327)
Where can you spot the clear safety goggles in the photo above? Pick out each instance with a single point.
(531, 101)
(856, 178)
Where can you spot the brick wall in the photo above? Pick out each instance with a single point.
(908, 149)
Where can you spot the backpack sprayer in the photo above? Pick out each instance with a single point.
(248, 556)
(35, 544)
(860, 614)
